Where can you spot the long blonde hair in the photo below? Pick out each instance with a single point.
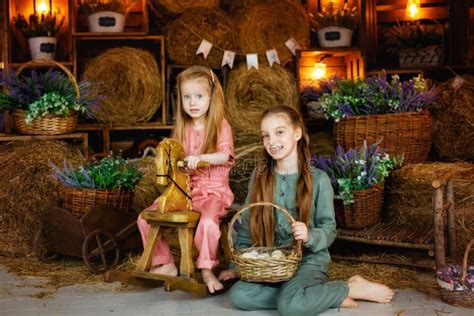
(215, 114)
(261, 218)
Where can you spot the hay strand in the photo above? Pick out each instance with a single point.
(130, 81)
(453, 120)
(27, 189)
(180, 6)
(146, 190)
(270, 25)
(250, 92)
(186, 33)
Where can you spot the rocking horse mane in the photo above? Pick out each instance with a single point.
(177, 195)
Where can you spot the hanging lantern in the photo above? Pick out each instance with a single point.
(413, 8)
(319, 71)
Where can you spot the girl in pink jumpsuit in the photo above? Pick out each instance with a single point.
(206, 136)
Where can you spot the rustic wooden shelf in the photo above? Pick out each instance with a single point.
(83, 136)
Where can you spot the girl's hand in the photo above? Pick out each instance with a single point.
(300, 231)
(192, 161)
(227, 275)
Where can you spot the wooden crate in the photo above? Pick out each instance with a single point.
(395, 10)
(16, 46)
(345, 63)
(136, 22)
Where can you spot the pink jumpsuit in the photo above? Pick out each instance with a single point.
(211, 196)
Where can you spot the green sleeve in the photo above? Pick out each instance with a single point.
(323, 233)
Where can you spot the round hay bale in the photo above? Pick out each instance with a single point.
(27, 190)
(250, 92)
(180, 6)
(270, 25)
(408, 193)
(186, 33)
(236, 8)
(146, 190)
(130, 81)
(453, 120)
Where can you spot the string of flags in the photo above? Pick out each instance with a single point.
(252, 59)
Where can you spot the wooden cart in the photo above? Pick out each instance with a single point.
(98, 237)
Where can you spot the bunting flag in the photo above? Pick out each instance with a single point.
(204, 48)
(228, 58)
(292, 45)
(272, 57)
(252, 59)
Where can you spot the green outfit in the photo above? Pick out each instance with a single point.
(308, 292)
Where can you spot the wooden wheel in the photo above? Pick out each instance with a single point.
(42, 248)
(100, 251)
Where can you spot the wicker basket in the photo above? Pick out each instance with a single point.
(80, 201)
(364, 212)
(408, 133)
(269, 269)
(50, 124)
(460, 298)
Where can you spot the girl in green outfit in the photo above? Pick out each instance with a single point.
(285, 177)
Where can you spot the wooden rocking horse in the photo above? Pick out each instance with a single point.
(174, 210)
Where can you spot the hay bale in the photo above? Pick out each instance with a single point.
(27, 190)
(180, 6)
(237, 8)
(270, 25)
(408, 194)
(130, 81)
(453, 120)
(186, 33)
(250, 92)
(146, 190)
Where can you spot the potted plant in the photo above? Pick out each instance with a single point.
(335, 26)
(40, 31)
(394, 111)
(104, 15)
(416, 44)
(311, 93)
(108, 181)
(45, 102)
(358, 176)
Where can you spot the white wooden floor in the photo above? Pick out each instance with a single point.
(19, 296)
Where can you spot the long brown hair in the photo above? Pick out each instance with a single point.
(215, 114)
(262, 221)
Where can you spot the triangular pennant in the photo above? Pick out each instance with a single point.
(292, 45)
(228, 58)
(272, 57)
(252, 61)
(204, 48)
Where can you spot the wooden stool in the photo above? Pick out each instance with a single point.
(185, 222)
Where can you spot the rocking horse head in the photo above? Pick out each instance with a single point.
(176, 196)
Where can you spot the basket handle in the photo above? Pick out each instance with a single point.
(45, 63)
(464, 262)
(237, 215)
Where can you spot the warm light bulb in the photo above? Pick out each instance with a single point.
(413, 8)
(319, 71)
(42, 7)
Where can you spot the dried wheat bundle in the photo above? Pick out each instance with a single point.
(250, 92)
(270, 25)
(453, 120)
(130, 81)
(27, 190)
(180, 6)
(186, 33)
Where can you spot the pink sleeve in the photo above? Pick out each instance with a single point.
(225, 140)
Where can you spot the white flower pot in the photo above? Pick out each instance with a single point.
(42, 47)
(334, 36)
(106, 21)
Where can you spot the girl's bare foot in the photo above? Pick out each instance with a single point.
(166, 269)
(211, 281)
(349, 303)
(362, 289)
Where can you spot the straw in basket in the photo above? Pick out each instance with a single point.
(272, 268)
(454, 290)
(50, 124)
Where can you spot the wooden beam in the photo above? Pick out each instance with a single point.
(368, 31)
(458, 32)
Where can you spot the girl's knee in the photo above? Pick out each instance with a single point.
(238, 297)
